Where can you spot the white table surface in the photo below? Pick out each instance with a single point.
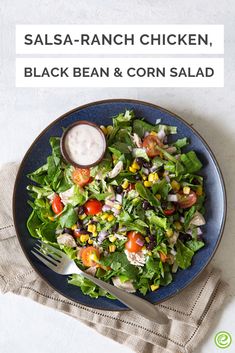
(29, 327)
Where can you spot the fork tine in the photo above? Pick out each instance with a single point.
(55, 250)
(46, 253)
(44, 261)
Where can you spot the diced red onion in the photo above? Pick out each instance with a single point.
(119, 198)
(161, 134)
(167, 178)
(115, 211)
(189, 232)
(140, 242)
(165, 140)
(153, 169)
(109, 203)
(199, 231)
(102, 235)
(182, 219)
(172, 198)
(123, 229)
(106, 208)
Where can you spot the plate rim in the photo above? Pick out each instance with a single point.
(119, 100)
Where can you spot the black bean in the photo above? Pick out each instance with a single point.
(81, 210)
(147, 165)
(140, 161)
(137, 177)
(68, 231)
(184, 237)
(119, 189)
(115, 228)
(151, 245)
(146, 205)
(151, 237)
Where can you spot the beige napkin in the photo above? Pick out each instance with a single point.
(191, 312)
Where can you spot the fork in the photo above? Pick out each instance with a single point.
(60, 263)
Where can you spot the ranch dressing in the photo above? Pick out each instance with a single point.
(84, 144)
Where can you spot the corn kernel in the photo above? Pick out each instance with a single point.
(169, 232)
(109, 129)
(177, 225)
(104, 129)
(153, 177)
(84, 238)
(51, 218)
(147, 184)
(186, 190)
(147, 239)
(118, 207)
(154, 287)
(91, 228)
(199, 191)
(110, 218)
(74, 227)
(112, 238)
(94, 234)
(125, 184)
(149, 253)
(112, 248)
(132, 170)
(153, 133)
(82, 216)
(144, 248)
(158, 196)
(161, 155)
(104, 216)
(135, 165)
(144, 177)
(175, 185)
(90, 241)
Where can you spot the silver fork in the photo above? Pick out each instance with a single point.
(60, 263)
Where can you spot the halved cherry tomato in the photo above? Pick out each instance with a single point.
(131, 187)
(150, 142)
(81, 176)
(90, 256)
(92, 207)
(163, 256)
(169, 211)
(57, 205)
(134, 242)
(186, 201)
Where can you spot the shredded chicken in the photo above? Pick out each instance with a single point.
(198, 219)
(116, 170)
(66, 195)
(126, 286)
(136, 258)
(67, 240)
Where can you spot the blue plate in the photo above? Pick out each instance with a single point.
(101, 113)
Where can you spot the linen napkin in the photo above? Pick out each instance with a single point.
(191, 311)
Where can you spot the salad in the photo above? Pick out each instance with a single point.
(132, 220)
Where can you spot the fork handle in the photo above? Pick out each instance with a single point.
(139, 305)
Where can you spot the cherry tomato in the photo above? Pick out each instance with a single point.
(92, 207)
(57, 205)
(150, 142)
(81, 176)
(134, 242)
(186, 201)
(163, 256)
(169, 211)
(90, 256)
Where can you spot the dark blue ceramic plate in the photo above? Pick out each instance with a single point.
(101, 113)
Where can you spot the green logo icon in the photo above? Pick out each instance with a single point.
(223, 339)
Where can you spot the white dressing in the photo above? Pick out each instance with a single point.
(84, 144)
